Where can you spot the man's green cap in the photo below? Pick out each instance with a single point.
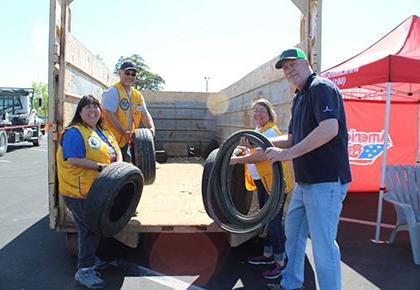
(293, 53)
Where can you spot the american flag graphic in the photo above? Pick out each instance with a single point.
(371, 151)
(367, 153)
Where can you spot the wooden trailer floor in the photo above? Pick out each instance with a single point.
(173, 202)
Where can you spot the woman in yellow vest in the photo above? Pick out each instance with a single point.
(258, 176)
(85, 148)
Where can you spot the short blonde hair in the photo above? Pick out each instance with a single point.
(269, 107)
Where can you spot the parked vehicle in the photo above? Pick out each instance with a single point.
(18, 118)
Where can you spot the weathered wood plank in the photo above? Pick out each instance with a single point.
(182, 120)
(167, 113)
(184, 136)
(79, 84)
(175, 98)
(186, 125)
(174, 191)
(81, 58)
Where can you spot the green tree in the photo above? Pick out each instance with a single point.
(41, 92)
(145, 79)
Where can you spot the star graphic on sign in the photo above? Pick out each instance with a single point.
(371, 151)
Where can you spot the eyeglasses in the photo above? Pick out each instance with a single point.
(127, 73)
(259, 111)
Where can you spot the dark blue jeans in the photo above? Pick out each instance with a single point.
(126, 153)
(276, 237)
(88, 241)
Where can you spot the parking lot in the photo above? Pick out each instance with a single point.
(32, 256)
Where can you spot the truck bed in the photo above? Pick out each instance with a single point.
(173, 202)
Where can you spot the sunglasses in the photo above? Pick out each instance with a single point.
(127, 73)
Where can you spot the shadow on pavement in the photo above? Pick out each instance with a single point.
(38, 259)
(238, 274)
(207, 257)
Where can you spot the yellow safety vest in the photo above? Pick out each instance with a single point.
(76, 181)
(265, 171)
(125, 108)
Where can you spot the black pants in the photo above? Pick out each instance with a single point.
(126, 153)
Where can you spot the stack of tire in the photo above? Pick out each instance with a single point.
(241, 197)
(225, 197)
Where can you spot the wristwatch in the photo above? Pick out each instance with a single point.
(100, 167)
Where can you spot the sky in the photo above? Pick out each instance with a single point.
(187, 41)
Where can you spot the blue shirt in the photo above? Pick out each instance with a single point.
(320, 100)
(74, 147)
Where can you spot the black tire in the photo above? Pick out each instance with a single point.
(161, 156)
(143, 154)
(3, 143)
(72, 244)
(208, 167)
(219, 190)
(241, 197)
(113, 198)
(37, 141)
(213, 144)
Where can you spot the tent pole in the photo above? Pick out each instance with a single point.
(382, 184)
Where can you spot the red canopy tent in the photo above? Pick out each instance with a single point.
(395, 58)
(389, 69)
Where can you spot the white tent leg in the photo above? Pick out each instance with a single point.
(382, 184)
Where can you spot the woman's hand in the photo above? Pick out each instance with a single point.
(245, 142)
(234, 160)
(85, 163)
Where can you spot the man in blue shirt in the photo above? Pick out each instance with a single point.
(317, 145)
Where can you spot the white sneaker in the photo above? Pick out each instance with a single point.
(89, 278)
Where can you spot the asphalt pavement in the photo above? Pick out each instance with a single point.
(33, 256)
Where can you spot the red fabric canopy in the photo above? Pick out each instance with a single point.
(389, 69)
(394, 58)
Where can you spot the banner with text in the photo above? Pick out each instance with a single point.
(365, 124)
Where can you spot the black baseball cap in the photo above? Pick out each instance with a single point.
(292, 53)
(128, 65)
